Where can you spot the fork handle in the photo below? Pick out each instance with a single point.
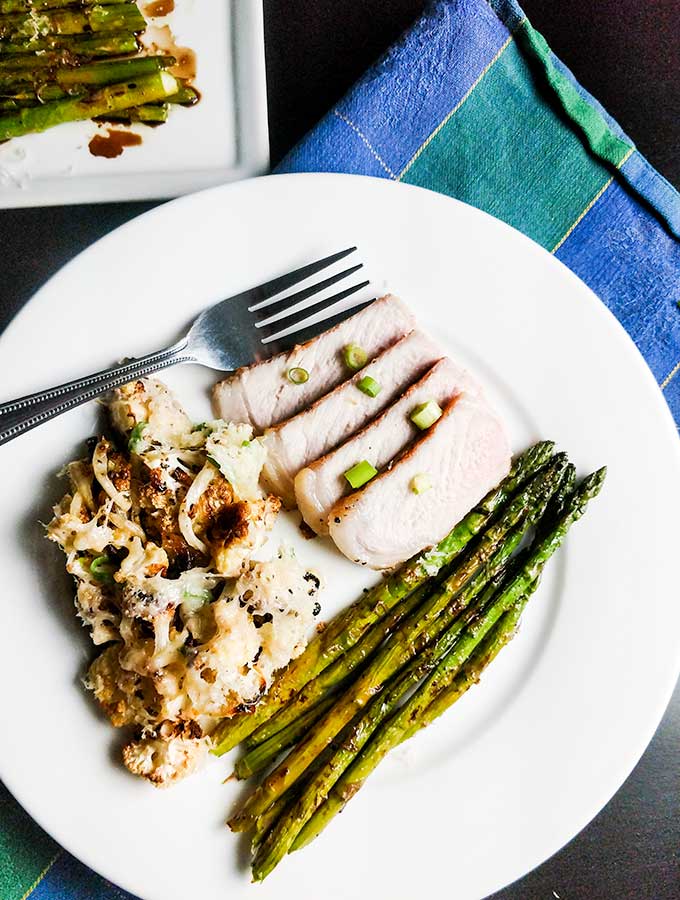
(24, 413)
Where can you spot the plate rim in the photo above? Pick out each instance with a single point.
(663, 698)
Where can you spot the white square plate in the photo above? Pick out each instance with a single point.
(223, 138)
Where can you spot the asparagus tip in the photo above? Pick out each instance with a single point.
(592, 484)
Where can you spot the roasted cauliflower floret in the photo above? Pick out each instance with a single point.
(282, 599)
(95, 607)
(163, 762)
(142, 561)
(239, 531)
(214, 521)
(238, 456)
(126, 697)
(75, 530)
(212, 503)
(262, 621)
(221, 675)
(147, 401)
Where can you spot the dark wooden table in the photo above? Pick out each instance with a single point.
(627, 53)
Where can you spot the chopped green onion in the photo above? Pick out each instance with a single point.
(426, 414)
(192, 601)
(361, 473)
(298, 375)
(136, 438)
(202, 426)
(420, 484)
(370, 386)
(355, 357)
(102, 568)
(245, 443)
(204, 596)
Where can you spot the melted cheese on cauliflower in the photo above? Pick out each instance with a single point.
(176, 753)
(159, 529)
(262, 622)
(150, 402)
(238, 457)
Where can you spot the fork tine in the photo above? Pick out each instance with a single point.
(257, 295)
(285, 306)
(303, 315)
(306, 333)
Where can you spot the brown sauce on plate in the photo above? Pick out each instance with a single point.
(162, 40)
(113, 143)
(159, 8)
(185, 67)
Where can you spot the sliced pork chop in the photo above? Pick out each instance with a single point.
(464, 454)
(336, 416)
(320, 485)
(262, 394)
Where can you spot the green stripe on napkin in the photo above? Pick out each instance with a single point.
(26, 852)
(601, 140)
(556, 168)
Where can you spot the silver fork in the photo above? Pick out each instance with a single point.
(227, 335)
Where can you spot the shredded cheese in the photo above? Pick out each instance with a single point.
(199, 485)
(160, 541)
(100, 466)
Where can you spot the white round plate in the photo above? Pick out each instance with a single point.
(526, 759)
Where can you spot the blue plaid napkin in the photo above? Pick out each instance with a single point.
(473, 103)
